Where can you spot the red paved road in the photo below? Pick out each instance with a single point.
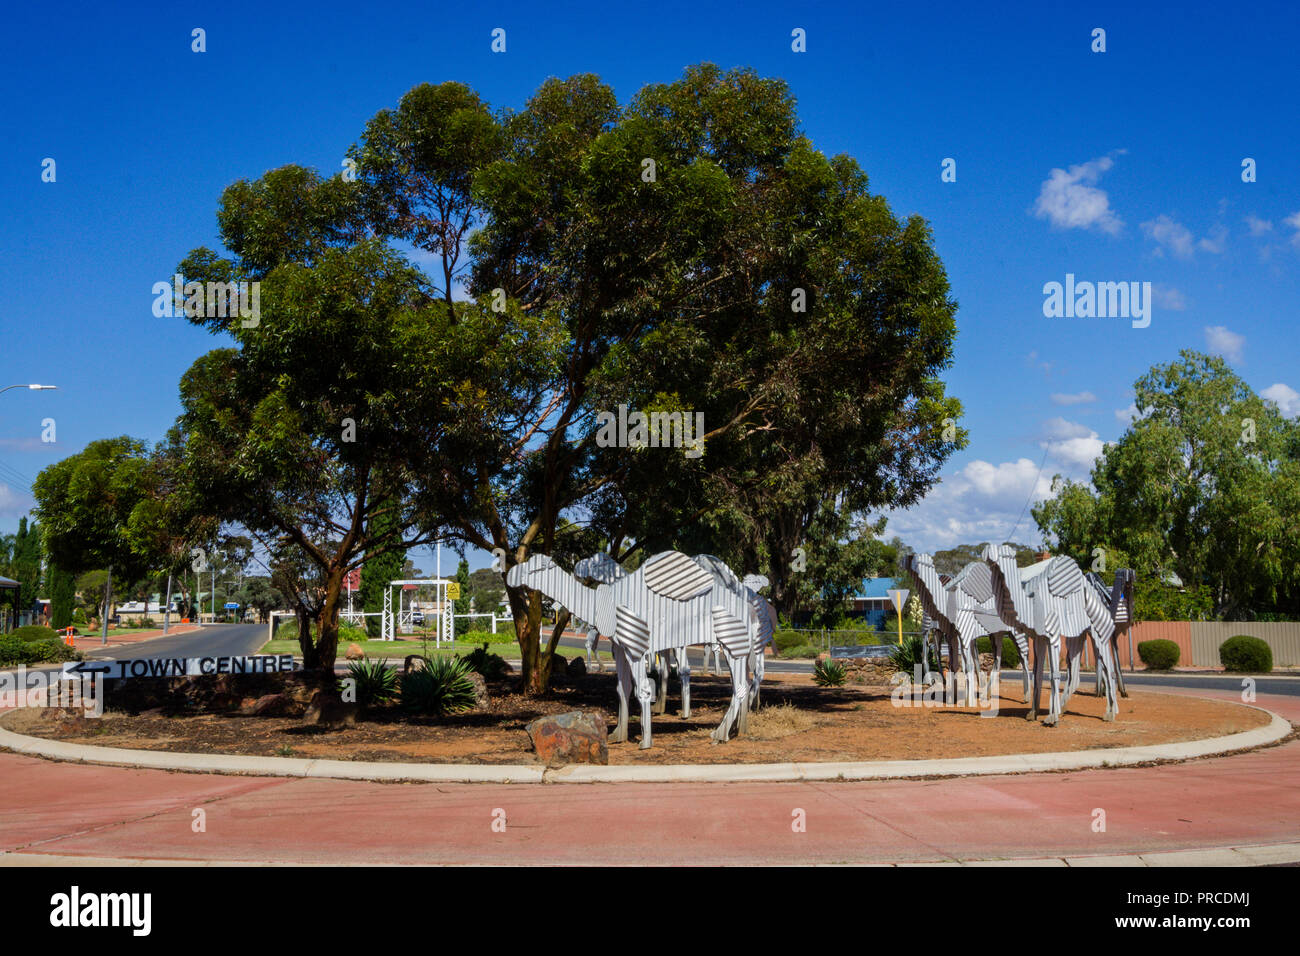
(69, 809)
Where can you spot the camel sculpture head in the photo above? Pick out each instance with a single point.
(520, 574)
(1005, 576)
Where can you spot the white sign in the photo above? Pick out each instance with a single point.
(899, 598)
(182, 666)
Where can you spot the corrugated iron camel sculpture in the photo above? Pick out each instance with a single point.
(1050, 600)
(669, 602)
(964, 609)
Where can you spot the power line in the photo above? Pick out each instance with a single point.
(1032, 489)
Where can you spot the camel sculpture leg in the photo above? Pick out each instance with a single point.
(645, 692)
(624, 671)
(756, 684)
(738, 710)
(1022, 645)
(662, 667)
(1040, 651)
(1119, 671)
(684, 674)
(1106, 666)
(593, 653)
(1054, 713)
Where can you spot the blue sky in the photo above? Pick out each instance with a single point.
(1115, 166)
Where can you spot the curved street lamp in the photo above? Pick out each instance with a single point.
(35, 388)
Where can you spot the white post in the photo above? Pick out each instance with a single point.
(167, 611)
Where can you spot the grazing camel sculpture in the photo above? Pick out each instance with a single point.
(1051, 600)
(669, 602)
(1119, 602)
(601, 568)
(964, 608)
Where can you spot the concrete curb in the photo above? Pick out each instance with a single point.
(1270, 854)
(1276, 729)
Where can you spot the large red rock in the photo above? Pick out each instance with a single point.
(355, 653)
(575, 737)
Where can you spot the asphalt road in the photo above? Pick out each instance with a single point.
(214, 640)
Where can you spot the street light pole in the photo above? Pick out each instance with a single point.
(35, 388)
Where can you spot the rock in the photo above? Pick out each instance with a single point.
(271, 705)
(413, 662)
(480, 690)
(575, 737)
(507, 667)
(328, 710)
(355, 653)
(577, 668)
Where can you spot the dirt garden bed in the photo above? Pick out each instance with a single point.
(798, 722)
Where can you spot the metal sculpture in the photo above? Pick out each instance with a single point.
(669, 602)
(1118, 599)
(1050, 600)
(963, 608)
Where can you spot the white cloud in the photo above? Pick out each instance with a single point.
(1076, 398)
(14, 504)
(1167, 297)
(1224, 342)
(1127, 415)
(1286, 398)
(1071, 200)
(1293, 221)
(1059, 427)
(980, 502)
(1216, 242)
(1257, 226)
(1170, 234)
(1071, 444)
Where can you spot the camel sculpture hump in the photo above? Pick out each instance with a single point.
(674, 575)
(1063, 576)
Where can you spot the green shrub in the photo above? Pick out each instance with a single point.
(1245, 654)
(348, 634)
(829, 673)
(491, 666)
(799, 652)
(15, 651)
(785, 640)
(909, 654)
(52, 652)
(375, 681)
(1159, 655)
(286, 630)
(79, 616)
(1010, 653)
(146, 622)
(442, 686)
(35, 632)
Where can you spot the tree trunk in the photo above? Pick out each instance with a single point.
(327, 643)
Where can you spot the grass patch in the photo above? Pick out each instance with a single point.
(774, 721)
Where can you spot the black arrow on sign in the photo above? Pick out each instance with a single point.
(84, 667)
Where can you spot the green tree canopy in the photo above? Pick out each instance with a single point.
(1205, 483)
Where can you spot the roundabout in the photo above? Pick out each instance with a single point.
(1177, 812)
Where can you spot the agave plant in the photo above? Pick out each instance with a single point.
(442, 686)
(829, 673)
(911, 654)
(374, 681)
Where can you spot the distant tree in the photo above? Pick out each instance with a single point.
(1205, 482)
(62, 587)
(86, 504)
